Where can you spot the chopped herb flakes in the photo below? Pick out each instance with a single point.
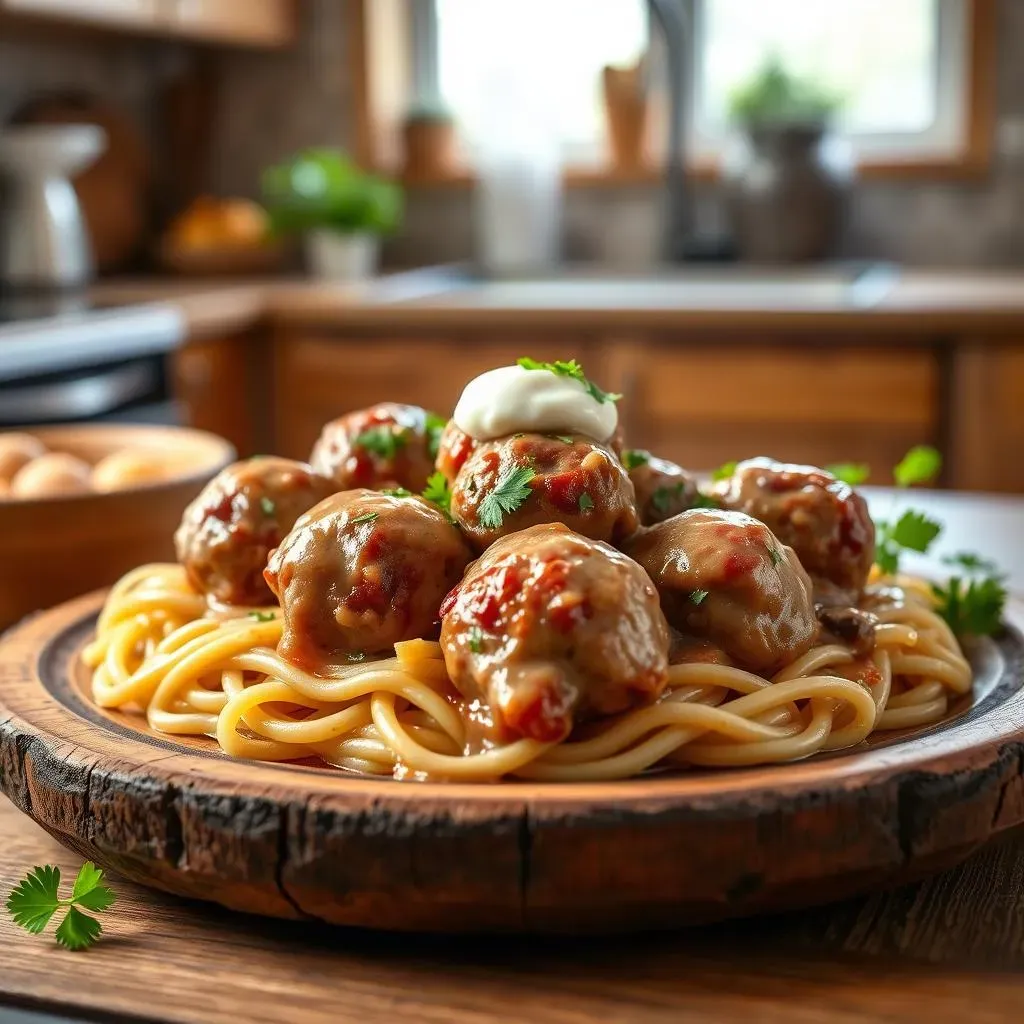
(509, 492)
(366, 517)
(383, 441)
(570, 368)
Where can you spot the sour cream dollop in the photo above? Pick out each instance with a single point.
(512, 400)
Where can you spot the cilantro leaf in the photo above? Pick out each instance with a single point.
(570, 368)
(705, 501)
(633, 457)
(914, 530)
(887, 558)
(586, 502)
(396, 492)
(726, 469)
(697, 596)
(662, 497)
(268, 506)
(973, 564)
(366, 517)
(434, 428)
(439, 491)
(383, 441)
(919, 466)
(974, 609)
(774, 554)
(852, 473)
(262, 616)
(78, 931)
(35, 900)
(564, 438)
(476, 639)
(509, 492)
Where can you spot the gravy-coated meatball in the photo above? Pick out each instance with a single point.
(228, 532)
(454, 447)
(387, 445)
(724, 577)
(821, 518)
(561, 479)
(361, 571)
(548, 627)
(663, 489)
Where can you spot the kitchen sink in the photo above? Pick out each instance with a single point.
(739, 286)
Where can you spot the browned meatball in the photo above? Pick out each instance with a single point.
(548, 627)
(724, 577)
(454, 447)
(361, 571)
(823, 519)
(663, 489)
(519, 481)
(387, 445)
(239, 517)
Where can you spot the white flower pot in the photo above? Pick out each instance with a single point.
(342, 257)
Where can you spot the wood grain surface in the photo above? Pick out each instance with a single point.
(947, 950)
(659, 851)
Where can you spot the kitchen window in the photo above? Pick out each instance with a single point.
(914, 74)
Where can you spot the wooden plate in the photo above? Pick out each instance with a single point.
(662, 851)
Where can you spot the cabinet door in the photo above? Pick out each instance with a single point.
(705, 404)
(255, 22)
(125, 12)
(211, 382)
(318, 379)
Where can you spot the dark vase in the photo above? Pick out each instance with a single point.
(786, 191)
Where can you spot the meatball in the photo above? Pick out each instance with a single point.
(548, 627)
(519, 481)
(228, 532)
(387, 445)
(663, 489)
(454, 447)
(16, 451)
(724, 577)
(823, 519)
(361, 571)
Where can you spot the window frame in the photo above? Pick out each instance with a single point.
(384, 73)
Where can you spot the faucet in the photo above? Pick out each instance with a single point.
(672, 17)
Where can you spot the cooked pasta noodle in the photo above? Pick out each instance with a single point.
(161, 651)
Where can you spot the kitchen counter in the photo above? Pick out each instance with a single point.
(912, 302)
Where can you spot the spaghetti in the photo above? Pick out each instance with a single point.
(161, 650)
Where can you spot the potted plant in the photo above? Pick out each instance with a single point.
(339, 210)
(787, 184)
(428, 135)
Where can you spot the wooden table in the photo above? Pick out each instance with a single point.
(949, 949)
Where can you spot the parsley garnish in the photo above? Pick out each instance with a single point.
(476, 639)
(383, 441)
(586, 502)
(972, 563)
(366, 517)
(775, 554)
(662, 497)
(852, 473)
(510, 490)
(726, 469)
(268, 507)
(913, 531)
(633, 457)
(570, 368)
(355, 656)
(974, 608)
(705, 501)
(698, 595)
(36, 899)
(262, 616)
(397, 492)
(439, 491)
(434, 427)
(919, 466)
(564, 438)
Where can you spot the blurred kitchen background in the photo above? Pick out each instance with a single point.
(776, 227)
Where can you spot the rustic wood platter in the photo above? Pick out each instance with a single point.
(665, 850)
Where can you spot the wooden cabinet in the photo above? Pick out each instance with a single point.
(701, 404)
(214, 383)
(319, 378)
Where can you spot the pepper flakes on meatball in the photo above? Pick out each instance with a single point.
(548, 628)
(240, 516)
(387, 445)
(361, 571)
(527, 479)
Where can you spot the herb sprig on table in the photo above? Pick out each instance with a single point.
(36, 899)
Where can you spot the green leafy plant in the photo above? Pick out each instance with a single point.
(35, 900)
(774, 95)
(323, 188)
(569, 368)
(509, 492)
